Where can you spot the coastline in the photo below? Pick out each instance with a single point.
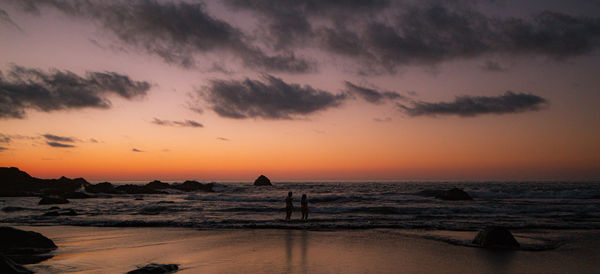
(118, 250)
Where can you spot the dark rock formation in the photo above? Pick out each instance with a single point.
(262, 180)
(136, 189)
(158, 185)
(155, 269)
(16, 183)
(455, 194)
(9, 266)
(105, 187)
(496, 237)
(193, 186)
(53, 200)
(24, 247)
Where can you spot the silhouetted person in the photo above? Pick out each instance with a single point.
(304, 207)
(289, 206)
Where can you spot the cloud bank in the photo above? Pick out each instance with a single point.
(24, 88)
(384, 35)
(378, 35)
(60, 145)
(185, 123)
(470, 106)
(271, 98)
(56, 138)
(175, 31)
(372, 95)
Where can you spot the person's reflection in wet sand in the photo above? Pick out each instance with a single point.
(304, 247)
(289, 245)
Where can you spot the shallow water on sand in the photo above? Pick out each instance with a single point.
(117, 250)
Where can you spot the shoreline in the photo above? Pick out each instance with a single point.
(118, 249)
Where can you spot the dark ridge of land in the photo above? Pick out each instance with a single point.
(17, 183)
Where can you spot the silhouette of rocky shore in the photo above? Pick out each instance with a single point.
(17, 183)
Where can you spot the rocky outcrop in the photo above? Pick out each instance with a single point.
(262, 180)
(24, 247)
(155, 269)
(455, 194)
(136, 189)
(193, 186)
(156, 184)
(496, 237)
(9, 266)
(53, 200)
(16, 183)
(105, 187)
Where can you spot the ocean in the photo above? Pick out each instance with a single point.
(332, 206)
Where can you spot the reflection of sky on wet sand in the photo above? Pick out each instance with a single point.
(89, 249)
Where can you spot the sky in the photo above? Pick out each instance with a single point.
(301, 90)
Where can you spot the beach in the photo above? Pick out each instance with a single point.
(118, 250)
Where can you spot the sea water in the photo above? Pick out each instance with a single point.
(332, 206)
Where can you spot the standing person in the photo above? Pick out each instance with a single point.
(289, 206)
(304, 207)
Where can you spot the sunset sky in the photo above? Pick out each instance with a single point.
(301, 90)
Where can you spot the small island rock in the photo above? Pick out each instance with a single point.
(262, 180)
(455, 194)
(496, 237)
(53, 200)
(155, 269)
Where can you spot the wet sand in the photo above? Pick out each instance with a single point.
(118, 250)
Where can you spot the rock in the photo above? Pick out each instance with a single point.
(16, 183)
(105, 187)
(496, 237)
(156, 184)
(155, 269)
(193, 186)
(52, 200)
(136, 189)
(455, 194)
(9, 266)
(23, 246)
(262, 180)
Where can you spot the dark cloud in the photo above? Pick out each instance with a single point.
(493, 66)
(222, 139)
(25, 88)
(383, 35)
(57, 144)
(174, 31)
(185, 123)
(3, 148)
(271, 99)
(92, 140)
(378, 35)
(4, 138)
(5, 19)
(469, 106)
(136, 150)
(371, 95)
(56, 138)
